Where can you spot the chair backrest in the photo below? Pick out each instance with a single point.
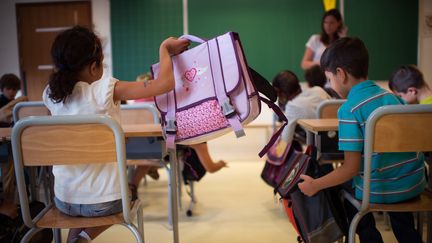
(329, 108)
(408, 129)
(29, 108)
(139, 113)
(395, 128)
(63, 140)
(138, 148)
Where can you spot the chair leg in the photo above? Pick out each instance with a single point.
(420, 223)
(192, 203)
(140, 221)
(139, 238)
(27, 237)
(353, 227)
(386, 221)
(57, 235)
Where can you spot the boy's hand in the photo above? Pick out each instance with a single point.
(307, 186)
(175, 46)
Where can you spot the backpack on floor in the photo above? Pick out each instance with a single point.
(215, 93)
(319, 218)
(193, 170)
(12, 230)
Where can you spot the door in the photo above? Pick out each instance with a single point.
(38, 25)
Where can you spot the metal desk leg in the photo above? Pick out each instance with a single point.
(309, 138)
(174, 193)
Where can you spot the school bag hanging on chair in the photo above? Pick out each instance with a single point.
(214, 94)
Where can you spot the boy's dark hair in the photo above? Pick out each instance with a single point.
(406, 76)
(348, 53)
(315, 76)
(10, 81)
(324, 37)
(71, 52)
(287, 82)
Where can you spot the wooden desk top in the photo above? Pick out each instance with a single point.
(319, 125)
(141, 130)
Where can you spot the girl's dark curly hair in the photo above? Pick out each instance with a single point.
(71, 52)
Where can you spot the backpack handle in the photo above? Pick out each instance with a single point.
(193, 38)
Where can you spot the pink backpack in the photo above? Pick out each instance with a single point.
(214, 93)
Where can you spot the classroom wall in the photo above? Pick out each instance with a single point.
(425, 40)
(9, 61)
(273, 32)
(9, 56)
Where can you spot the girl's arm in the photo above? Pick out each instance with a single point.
(347, 171)
(307, 59)
(164, 83)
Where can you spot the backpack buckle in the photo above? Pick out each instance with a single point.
(227, 109)
(171, 127)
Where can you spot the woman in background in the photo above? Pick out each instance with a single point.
(332, 28)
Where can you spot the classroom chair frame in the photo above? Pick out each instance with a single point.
(106, 126)
(407, 126)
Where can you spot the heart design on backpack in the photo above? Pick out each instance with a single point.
(190, 74)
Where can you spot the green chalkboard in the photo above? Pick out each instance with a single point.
(137, 29)
(273, 32)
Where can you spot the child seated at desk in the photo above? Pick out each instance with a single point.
(297, 104)
(75, 87)
(408, 83)
(346, 66)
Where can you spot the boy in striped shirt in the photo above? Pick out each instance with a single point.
(395, 177)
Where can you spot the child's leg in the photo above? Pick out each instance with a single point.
(403, 227)
(73, 233)
(92, 233)
(366, 228)
(139, 173)
(204, 156)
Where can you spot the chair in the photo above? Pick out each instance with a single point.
(329, 108)
(142, 151)
(29, 108)
(328, 142)
(35, 108)
(39, 141)
(408, 128)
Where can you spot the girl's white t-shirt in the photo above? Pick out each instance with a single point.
(303, 106)
(314, 43)
(87, 183)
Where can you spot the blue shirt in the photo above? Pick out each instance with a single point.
(395, 177)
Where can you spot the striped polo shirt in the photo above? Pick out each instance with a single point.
(395, 177)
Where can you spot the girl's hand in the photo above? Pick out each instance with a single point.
(307, 186)
(175, 46)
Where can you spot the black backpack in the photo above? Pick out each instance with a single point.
(193, 170)
(12, 230)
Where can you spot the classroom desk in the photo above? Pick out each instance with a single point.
(145, 130)
(314, 129)
(319, 125)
